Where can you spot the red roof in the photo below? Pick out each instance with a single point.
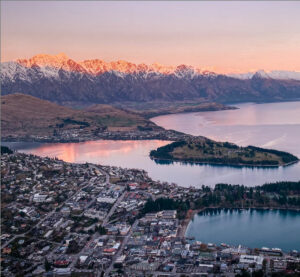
(61, 262)
(109, 250)
(133, 185)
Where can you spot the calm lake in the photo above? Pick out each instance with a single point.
(252, 228)
(273, 125)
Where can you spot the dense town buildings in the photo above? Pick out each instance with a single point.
(64, 219)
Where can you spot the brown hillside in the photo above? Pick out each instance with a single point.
(27, 115)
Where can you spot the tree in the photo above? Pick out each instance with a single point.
(73, 247)
(244, 273)
(264, 264)
(258, 273)
(102, 230)
(22, 214)
(47, 265)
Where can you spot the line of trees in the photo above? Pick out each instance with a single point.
(283, 194)
(166, 204)
(280, 187)
(164, 151)
(279, 194)
(286, 157)
(5, 150)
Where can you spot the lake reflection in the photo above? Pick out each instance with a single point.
(266, 125)
(252, 228)
(127, 153)
(135, 154)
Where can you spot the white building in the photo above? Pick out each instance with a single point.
(39, 198)
(107, 200)
(251, 259)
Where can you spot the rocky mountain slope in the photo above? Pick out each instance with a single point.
(60, 79)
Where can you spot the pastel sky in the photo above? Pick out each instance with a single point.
(221, 36)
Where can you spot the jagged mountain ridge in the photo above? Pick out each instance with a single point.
(60, 79)
(97, 66)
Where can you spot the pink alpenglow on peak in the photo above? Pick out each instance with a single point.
(45, 60)
(60, 61)
(97, 66)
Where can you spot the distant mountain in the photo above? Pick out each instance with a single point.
(275, 74)
(23, 115)
(60, 79)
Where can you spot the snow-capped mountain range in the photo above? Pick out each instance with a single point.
(97, 67)
(59, 78)
(274, 74)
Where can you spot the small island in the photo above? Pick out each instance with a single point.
(202, 150)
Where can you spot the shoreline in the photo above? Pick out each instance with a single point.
(169, 139)
(154, 115)
(226, 164)
(170, 135)
(186, 221)
(263, 101)
(78, 141)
